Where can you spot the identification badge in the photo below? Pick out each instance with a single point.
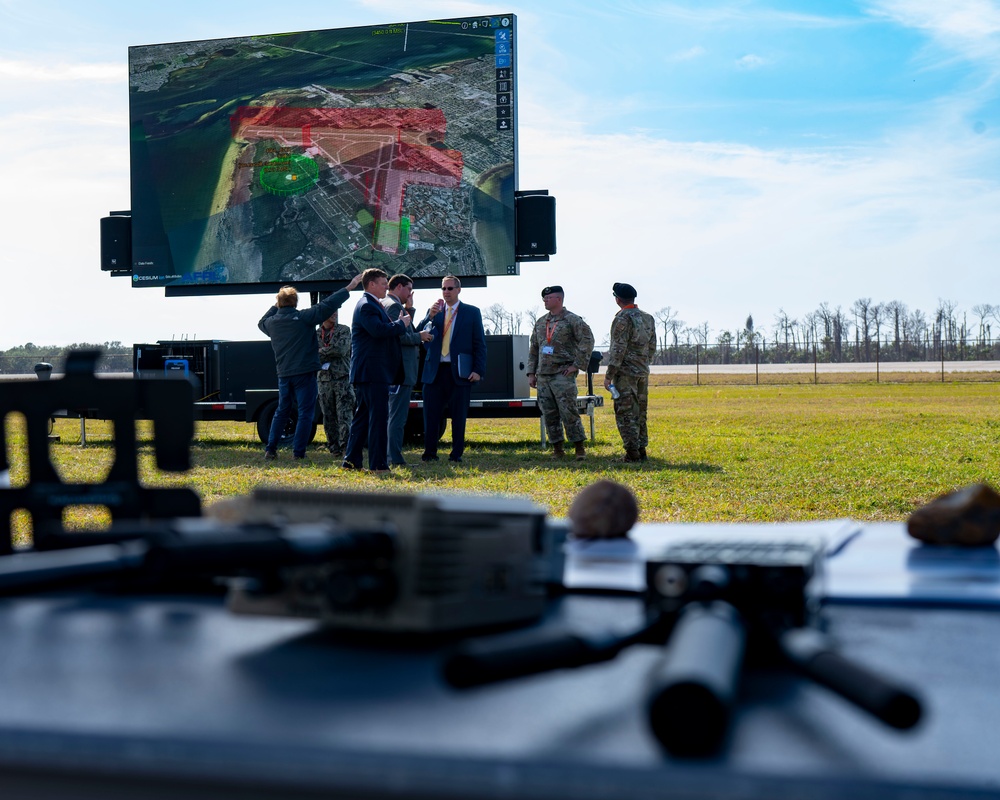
(547, 350)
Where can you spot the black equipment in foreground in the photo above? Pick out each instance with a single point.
(370, 562)
(167, 400)
(714, 605)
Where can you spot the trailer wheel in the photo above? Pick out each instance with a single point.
(264, 425)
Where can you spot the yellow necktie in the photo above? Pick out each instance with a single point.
(446, 341)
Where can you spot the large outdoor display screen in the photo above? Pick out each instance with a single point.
(308, 157)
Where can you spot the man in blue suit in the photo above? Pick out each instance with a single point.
(456, 359)
(376, 362)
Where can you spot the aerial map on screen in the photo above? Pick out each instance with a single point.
(308, 157)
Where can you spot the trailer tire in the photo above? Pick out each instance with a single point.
(264, 425)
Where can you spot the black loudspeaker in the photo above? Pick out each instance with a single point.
(116, 244)
(535, 226)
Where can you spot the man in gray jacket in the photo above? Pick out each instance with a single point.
(397, 299)
(293, 338)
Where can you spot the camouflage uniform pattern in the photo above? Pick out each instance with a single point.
(633, 345)
(336, 395)
(572, 344)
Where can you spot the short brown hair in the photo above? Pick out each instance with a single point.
(372, 274)
(399, 280)
(457, 282)
(288, 297)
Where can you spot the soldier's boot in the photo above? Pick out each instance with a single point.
(631, 455)
(557, 450)
(642, 454)
(581, 453)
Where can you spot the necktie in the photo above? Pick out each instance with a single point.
(446, 341)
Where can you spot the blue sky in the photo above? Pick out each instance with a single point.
(726, 158)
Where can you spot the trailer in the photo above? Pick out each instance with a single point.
(236, 380)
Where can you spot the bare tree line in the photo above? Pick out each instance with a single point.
(867, 331)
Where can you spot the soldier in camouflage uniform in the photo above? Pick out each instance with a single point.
(633, 345)
(336, 395)
(561, 346)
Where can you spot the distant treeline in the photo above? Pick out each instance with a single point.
(866, 332)
(116, 357)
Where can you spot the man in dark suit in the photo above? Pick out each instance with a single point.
(456, 359)
(397, 300)
(376, 362)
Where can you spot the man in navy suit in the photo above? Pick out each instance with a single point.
(456, 359)
(376, 362)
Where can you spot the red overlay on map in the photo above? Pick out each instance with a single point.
(381, 151)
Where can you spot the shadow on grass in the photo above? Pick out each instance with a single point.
(515, 456)
(500, 457)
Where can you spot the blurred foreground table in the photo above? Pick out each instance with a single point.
(166, 697)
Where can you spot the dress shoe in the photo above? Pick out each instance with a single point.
(382, 473)
(349, 465)
(426, 457)
(270, 455)
(452, 460)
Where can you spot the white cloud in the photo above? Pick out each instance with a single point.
(970, 28)
(446, 9)
(34, 71)
(687, 55)
(714, 231)
(732, 14)
(717, 232)
(751, 61)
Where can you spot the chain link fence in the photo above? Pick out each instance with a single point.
(832, 352)
(761, 362)
(873, 361)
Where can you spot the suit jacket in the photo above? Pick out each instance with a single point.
(467, 338)
(375, 352)
(410, 341)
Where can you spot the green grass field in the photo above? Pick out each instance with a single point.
(717, 453)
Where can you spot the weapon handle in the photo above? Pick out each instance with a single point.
(478, 663)
(815, 656)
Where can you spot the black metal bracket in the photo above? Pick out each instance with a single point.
(167, 401)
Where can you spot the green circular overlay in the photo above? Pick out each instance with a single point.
(288, 175)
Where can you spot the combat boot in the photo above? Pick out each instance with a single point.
(581, 453)
(642, 454)
(557, 450)
(631, 455)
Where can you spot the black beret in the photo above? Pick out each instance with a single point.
(552, 290)
(625, 291)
